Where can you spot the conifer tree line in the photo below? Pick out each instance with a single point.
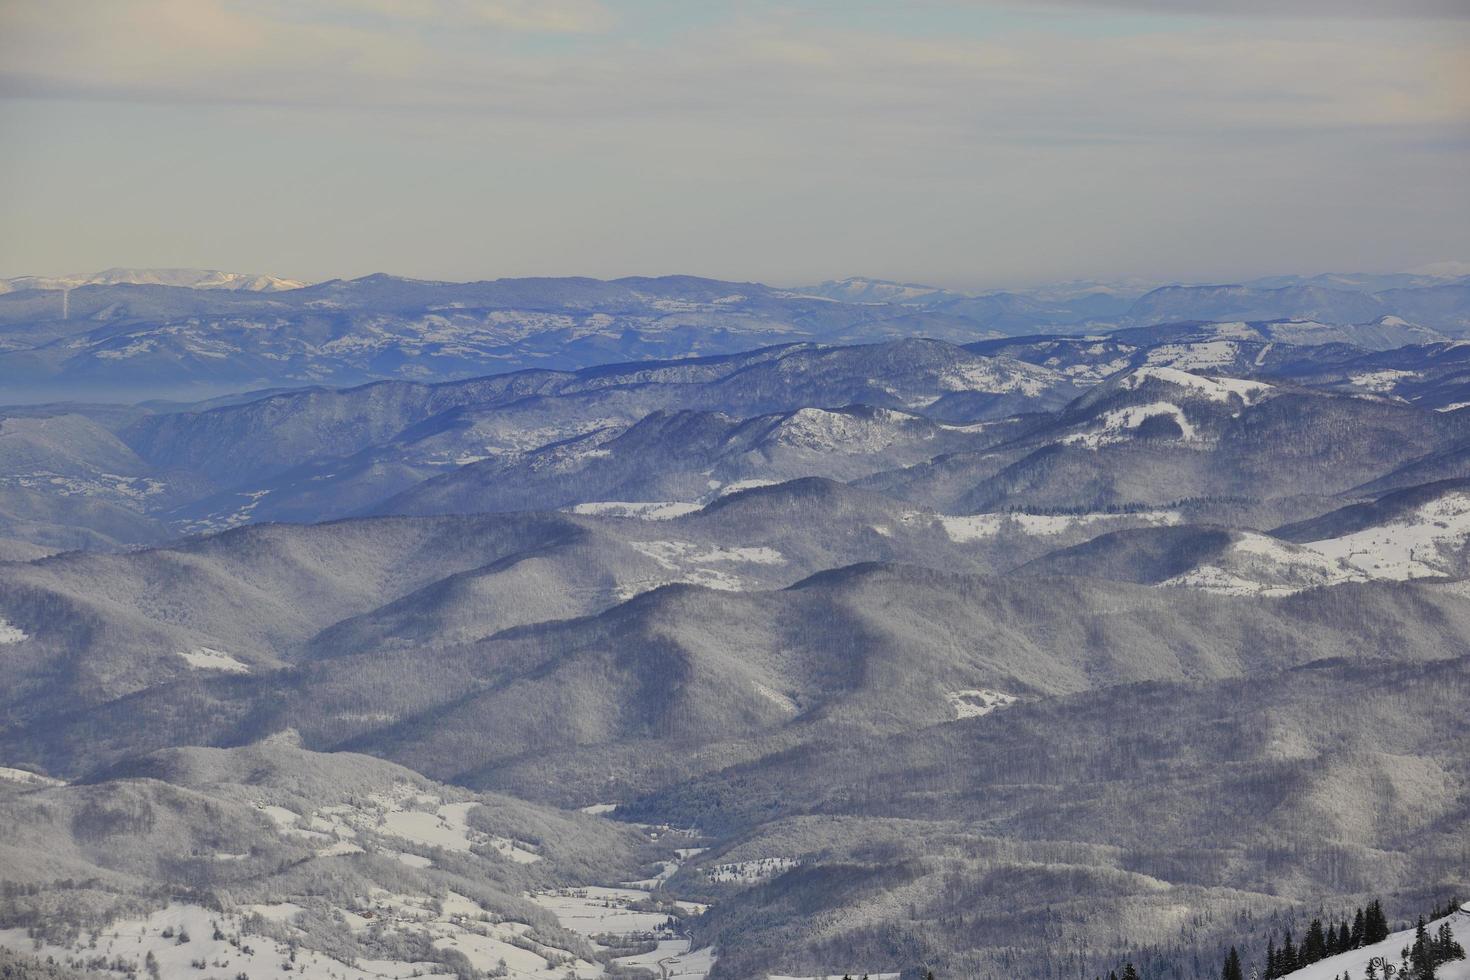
(1368, 926)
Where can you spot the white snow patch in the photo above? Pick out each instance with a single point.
(739, 485)
(208, 658)
(1380, 381)
(134, 939)
(691, 562)
(11, 634)
(1194, 357)
(1419, 544)
(977, 527)
(1115, 425)
(648, 510)
(598, 809)
(27, 778)
(1258, 564)
(749, 872)
(1215, 389)
(976, 702)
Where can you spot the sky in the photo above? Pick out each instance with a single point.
(965, 143)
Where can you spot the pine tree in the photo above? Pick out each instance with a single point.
(1273, 969)
(1375, 924)
(1314, 944)
(1357, 933)
(1446, 949)
(1232, 969)
(1286, 958)
(1421, 955)
(1344, 939)
(1129, 972)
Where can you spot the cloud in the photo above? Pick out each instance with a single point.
(758, 142)
(770, 77)
(1274, 9)
(534, 16)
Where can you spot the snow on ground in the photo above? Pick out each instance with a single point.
(749, 872)
(401, 813)
(739, 485)
(691, 563)
(667, 869)
(818, 430)
(134, 939)
(594, 911)
(27, 778)
(1195, 357)
(1422, 543)
(976, 702)
(11, 634)
(458, 922)
(1380, 381)
(675, 554)
(1258, 564)
(648, 510)
(1117, 424)
(977, 527)
(1426, 542)
(600, 809)
(993, 375)
(208, 658)
(1215, 389)
(1355, 962)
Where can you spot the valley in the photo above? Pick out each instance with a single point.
(820, 649)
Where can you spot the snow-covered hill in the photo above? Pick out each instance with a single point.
(1355, 962)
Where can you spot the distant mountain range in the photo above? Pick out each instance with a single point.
(183, 278)
(748, 632)
(129, 335)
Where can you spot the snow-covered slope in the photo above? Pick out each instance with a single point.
(1355, 962)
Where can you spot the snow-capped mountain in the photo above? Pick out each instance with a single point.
(182, 278)
(703, 629)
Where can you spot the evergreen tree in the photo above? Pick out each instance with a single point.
(1314, 944)
(1272, 967)
(1344, 939)
(1421, 954)
(1446, 948)
(1375, 924)
(1286, 958)
(1129, 972)
(1232, 969)
(1357, 932)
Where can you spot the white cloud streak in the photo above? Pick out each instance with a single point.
(1015, 144)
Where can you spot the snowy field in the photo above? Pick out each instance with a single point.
(180, 937)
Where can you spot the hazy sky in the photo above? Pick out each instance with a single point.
(961, 142)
